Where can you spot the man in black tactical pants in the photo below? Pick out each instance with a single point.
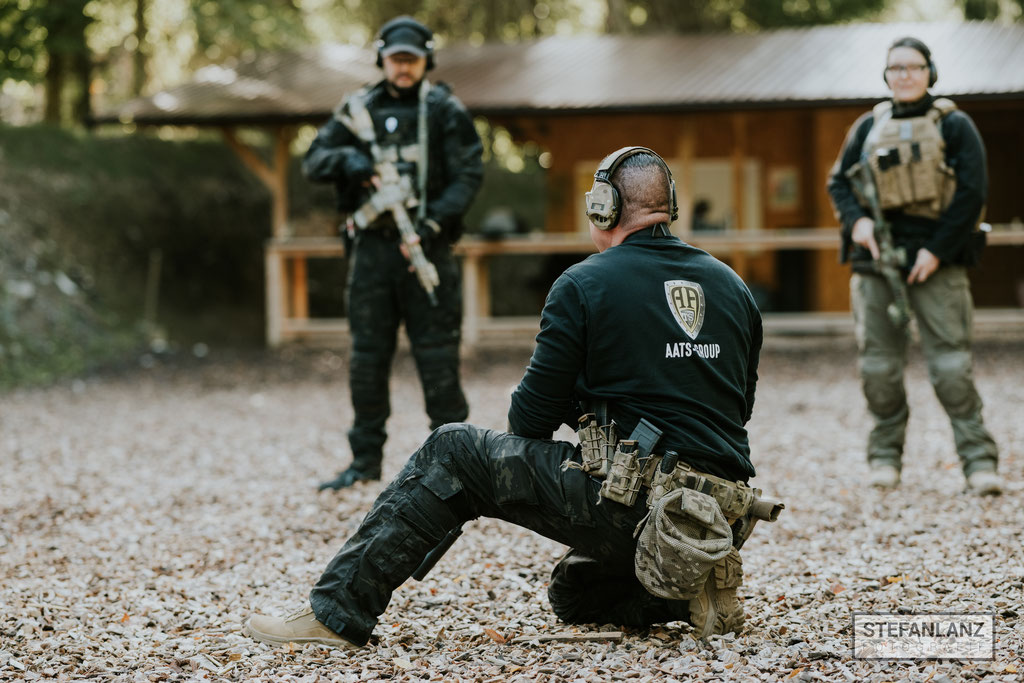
(408, 120)
(649, 328)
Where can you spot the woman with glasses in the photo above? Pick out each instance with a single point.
(918, 163)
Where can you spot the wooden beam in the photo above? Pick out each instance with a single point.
(570, 637)
(249, 157)
(274, 176)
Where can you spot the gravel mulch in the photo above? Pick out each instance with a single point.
(145, 515)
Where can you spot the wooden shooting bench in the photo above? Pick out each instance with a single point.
(288, 293)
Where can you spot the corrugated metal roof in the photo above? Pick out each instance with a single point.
(837, 64)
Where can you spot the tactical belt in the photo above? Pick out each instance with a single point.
(628, 465)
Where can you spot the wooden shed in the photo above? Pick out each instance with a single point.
(750, 123)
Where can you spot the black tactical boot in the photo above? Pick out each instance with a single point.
(349, 477)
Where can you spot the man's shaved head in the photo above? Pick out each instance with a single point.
(643, 190)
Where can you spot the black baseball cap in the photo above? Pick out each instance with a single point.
(404, 39)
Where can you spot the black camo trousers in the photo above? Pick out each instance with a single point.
(382, 293)
(463, 472)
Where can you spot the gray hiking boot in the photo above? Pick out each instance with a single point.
(985, 483)
(884, 477)
(300, 627)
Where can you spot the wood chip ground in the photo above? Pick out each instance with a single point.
(145, 515)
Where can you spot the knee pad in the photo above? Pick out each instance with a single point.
(950, 373)
(882, 377)
(439, 454)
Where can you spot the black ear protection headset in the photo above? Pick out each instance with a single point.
(914, 43)
(405, 22)
(603, 204)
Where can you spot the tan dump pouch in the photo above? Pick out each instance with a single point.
(684, 539)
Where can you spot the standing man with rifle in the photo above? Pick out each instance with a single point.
(405, 160)
(650, 348)
(909, 188)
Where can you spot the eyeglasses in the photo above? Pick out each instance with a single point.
(901, 69)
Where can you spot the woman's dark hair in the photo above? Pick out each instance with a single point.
(908, 41)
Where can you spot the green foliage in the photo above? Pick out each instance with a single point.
(31, 31)
(80, 217)
(475, 21)
(179, 36)
(808, 12)
(696, 16)
(229, 28)
(990, 10)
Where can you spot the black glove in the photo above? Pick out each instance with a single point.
(429, 231)
(356, 165)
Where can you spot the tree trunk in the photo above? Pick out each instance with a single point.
(984, 10)
(616, 18)
(82, 68)
(139, 58)
(54, 88)
(69, 56)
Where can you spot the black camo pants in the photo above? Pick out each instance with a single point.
(382, 294)
(463, 472)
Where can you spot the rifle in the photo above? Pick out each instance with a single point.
(891, 259)
(763, 507)
(394, 194)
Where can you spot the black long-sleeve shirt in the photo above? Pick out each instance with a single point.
(950, 236)
(608, 333)
(455, 169)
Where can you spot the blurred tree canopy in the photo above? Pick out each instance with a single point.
(991, 9)
(71, 51)
(45, 40)
(697, 16)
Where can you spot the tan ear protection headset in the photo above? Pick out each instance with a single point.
(603, 204)
(915, 44)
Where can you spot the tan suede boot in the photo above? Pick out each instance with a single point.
(985, 483)
(884, 477)
(716, 610)
(300, 627)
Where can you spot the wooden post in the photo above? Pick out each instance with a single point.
(275, 177)
(274, 292)
(739, 149)
(471, 298)
(687, 144)
(283, 136)
(299, 289)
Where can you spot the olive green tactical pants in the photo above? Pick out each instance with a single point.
(463, 472)
(943, 308)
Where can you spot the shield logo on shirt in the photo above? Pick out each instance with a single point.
(391, 124)
(686, 301)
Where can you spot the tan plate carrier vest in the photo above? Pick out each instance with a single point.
(907, 158)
